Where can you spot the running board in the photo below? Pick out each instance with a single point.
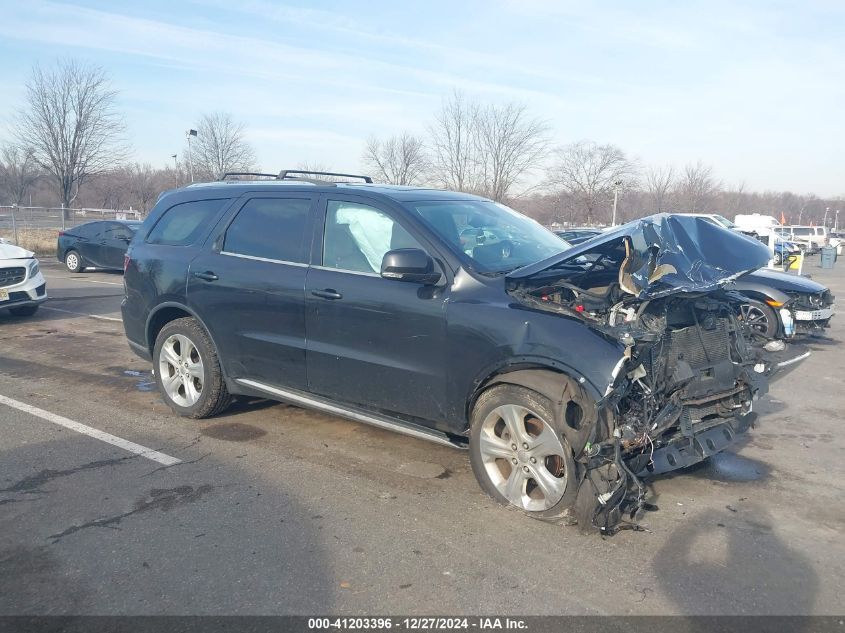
(371, 418)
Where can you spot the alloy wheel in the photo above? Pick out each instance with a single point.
(523, 457)
(755, 318)
(181, 370)
(72, 261)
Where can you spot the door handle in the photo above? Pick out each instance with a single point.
(328, 293)
(207, 276)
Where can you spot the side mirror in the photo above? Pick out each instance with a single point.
(409, 264)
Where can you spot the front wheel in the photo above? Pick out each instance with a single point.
(759, 318)
(188, 372)
(519, 455)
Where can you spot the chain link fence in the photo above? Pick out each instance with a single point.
(36, 228)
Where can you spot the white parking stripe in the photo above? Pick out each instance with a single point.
(90, 281)
(126, 445)
(93, 316)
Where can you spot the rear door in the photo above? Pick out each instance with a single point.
(87, 243)
(375, 342)
(248, 286)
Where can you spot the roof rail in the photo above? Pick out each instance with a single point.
(288, 174)
(247, 173)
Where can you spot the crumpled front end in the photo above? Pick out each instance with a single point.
(683, 388)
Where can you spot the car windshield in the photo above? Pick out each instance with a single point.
(493, 237)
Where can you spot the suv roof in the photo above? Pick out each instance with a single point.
(300, 179)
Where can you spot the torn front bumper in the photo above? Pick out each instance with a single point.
(682, 451)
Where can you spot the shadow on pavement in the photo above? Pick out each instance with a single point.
(727, 563)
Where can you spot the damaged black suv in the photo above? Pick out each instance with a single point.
(569, 375)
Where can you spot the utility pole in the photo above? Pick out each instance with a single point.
(616, 184)
(826, 210)
(836, 222)
(189, 134)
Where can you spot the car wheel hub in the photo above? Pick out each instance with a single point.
(181, 370)
(523, 457)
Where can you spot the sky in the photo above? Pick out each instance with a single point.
(755, 89)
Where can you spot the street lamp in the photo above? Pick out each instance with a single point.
(616, 184)
(836, 222)
(188, 135)
(826, 210)
(175, 168)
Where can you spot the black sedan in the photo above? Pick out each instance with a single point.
(96, 244)
(781, 304)
(578, 235)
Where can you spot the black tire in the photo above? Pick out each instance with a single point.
(764, 321)
(487, 403)
(24, 311)
(778, 258)
(73, 264)
(214, 396)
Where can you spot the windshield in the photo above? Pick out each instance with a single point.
(494, 238)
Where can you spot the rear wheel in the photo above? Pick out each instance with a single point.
(759, 318)
(24, 311)
(519, 455)
(73, 262)
(188, 370)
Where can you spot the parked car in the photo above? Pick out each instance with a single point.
(757, 226)
(99, 244)
(809, 238)
(22, 286)
(577, 235)
(568, 376)
(782, 304)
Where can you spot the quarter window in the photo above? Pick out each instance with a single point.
(357, 237)
(182, 224)
(270, 228)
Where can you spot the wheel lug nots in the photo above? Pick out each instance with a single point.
(525, 468)
(525, 445)
(513, 446)
(514, 460)
(533, 460)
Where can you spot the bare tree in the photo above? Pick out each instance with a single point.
(144, 185)
(454, 144)
(71, 123)
(588, 173)
(19, 172)
(697, 188)
(509, 144)
(398, 160)
(220, 146)
(659, 184)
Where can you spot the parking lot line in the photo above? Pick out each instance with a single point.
(93, 316)
(92, 281)
(126, 445)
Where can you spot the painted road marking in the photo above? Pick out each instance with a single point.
(93, 316)
(90, 281)
(126, 445)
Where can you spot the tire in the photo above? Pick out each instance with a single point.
(73, 262)
(760, 318)
(778, 258)
(24, 311)
(187, 370)
(548, 459)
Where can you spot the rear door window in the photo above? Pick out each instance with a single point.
(182, 224)
(270, 228)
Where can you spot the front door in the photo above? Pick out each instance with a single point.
(248, 288)
(373, 341)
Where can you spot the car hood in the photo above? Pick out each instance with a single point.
(10, 251)
(667, 254)
(782, 281)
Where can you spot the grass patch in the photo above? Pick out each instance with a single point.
(42, 242)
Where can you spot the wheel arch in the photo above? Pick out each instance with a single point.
(164, 314)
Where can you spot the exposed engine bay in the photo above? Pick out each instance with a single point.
(688, 374)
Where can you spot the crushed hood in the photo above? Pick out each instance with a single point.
(663, 254)
(10, 251)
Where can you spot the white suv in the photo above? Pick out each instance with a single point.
(22, 286)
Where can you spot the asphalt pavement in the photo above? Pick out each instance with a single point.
(272, 509)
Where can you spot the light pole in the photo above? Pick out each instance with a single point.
(616, 184)
(836, 222)
(175, 168)
(188, 135)
(826, 210)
